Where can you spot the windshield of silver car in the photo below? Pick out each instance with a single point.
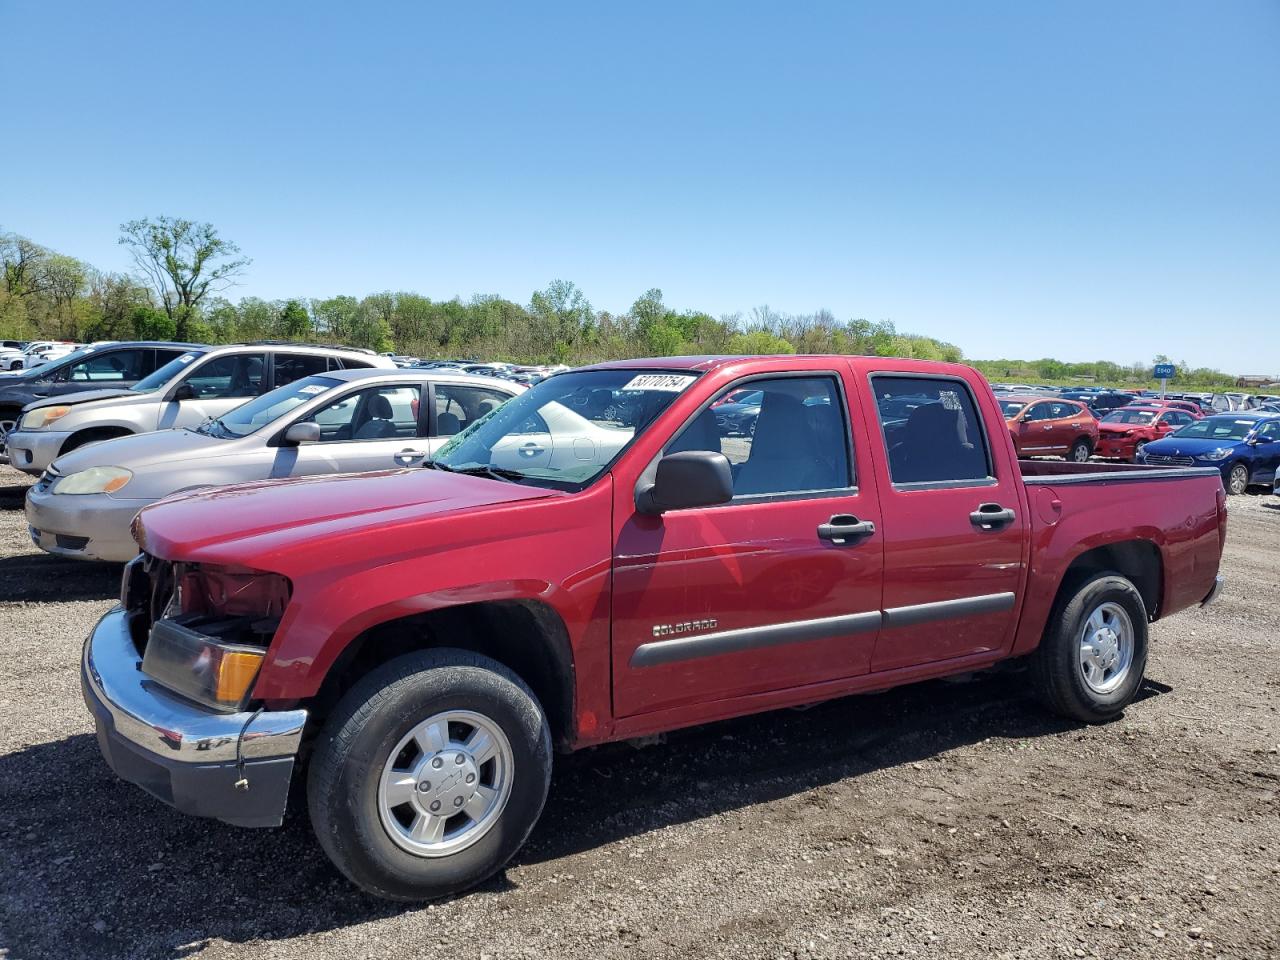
(260, 411)
(154, 381)
(565, 431)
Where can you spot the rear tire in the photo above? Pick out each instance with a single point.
(1238, 480)
(1080, 452)
(1091, 660)
(371, 808)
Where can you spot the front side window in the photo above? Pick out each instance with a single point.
(1269, 430)
(231, 375)
(931, 429)
(457, 407)
(377, 413)
(567, 430)
(1039, 411)
(271, 406)
(785, 436)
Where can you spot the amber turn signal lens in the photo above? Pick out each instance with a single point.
(236, 671)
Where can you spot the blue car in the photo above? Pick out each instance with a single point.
(1244, 446)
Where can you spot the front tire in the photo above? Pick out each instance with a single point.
(1238, 480)
(430, 774)
(1091, 660)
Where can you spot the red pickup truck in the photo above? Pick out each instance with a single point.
(415, 643)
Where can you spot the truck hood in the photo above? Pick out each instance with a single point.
(247, 523)
(84, 396)
(141, 450)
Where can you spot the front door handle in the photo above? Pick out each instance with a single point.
(408, 456)
(992, 516)
(844, 529)
(530, 450)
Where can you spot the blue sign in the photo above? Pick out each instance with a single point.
(1165, 371)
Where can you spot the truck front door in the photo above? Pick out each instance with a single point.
(777, 588)
(954, 526)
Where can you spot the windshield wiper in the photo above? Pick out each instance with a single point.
(437, 465)
(486, 470)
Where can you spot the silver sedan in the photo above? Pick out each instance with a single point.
(338, 422)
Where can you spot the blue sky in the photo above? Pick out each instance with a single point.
(1082, 180)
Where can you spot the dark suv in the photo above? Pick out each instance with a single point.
(111, 366)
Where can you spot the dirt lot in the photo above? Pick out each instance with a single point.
(947, 820)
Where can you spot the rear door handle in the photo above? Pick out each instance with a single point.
(844, 529)
(408, 456)
(992, 516)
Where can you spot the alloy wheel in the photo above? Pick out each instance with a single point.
(446, 783)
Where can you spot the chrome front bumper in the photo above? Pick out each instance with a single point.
(234, 767)
(1218, 583)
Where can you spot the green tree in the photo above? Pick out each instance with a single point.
(759, 342)
(294, 322)
(148, 323)
(184, 261)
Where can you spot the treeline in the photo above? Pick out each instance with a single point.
(184, 267)
(1102, 372)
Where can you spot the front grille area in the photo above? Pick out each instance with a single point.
(66, 542)
(1160, 460)
(145, 591)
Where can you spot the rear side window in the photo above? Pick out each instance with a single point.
(231, 375)
(782, 436)
(931, 428)
(295, 366)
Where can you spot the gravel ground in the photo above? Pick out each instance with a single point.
(946, 819)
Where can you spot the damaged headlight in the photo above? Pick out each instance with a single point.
(213, 638)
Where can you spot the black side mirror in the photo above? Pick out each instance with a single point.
(183, 391)
(694, 478)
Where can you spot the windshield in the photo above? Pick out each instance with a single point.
(260, 411)
(163, 375)
(1217, 428)
(567, 430)
(1129, 416)
(1012, 408)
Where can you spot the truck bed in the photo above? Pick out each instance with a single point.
(1059, 472)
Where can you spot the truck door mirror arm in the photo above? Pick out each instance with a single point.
(693, 478)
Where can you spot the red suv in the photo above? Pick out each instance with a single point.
(1123, 433)
(1044, 426)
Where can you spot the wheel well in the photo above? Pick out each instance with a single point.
(1138, 561)
(93, 435)
(526, 636)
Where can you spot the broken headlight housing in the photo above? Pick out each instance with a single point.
(212, 639)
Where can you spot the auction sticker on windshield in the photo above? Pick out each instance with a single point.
(669, 382)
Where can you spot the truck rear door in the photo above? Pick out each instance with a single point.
(777, 588)
(952, 504)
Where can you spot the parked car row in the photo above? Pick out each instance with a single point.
(213, 416)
